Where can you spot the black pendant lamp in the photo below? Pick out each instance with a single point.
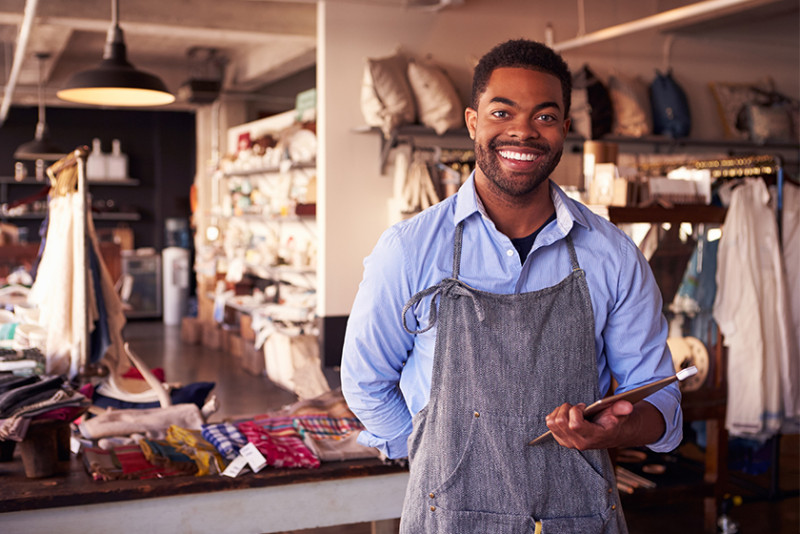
(115, 82)
(40, 148)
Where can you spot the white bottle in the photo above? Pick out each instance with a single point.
(117, 162)
(96, 162)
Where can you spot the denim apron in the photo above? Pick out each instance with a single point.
(501, 364)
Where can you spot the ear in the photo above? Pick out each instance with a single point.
(567, 123)
(471, 120)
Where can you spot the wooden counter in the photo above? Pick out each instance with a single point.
(270, 501)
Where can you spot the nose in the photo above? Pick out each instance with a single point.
(523, 127)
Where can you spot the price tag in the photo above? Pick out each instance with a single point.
(235, 467)
(254, 457)
(74, 445)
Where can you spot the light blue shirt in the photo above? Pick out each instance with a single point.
(386, 372)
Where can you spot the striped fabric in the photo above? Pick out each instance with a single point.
(322, 427)
(279, 442)
(123, 462)
(226, 438)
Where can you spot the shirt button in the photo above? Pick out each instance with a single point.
(431, 495)
(477, 414)
(611, 490)
(613, 506)
(509, 252)
(433, 508)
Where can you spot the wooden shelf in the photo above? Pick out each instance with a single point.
(267, 170)
(95, 182)
(691, 213)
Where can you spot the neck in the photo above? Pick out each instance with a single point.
(516, 217)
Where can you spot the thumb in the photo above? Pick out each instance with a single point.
(622, 408)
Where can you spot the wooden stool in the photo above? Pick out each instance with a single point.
(46, 444)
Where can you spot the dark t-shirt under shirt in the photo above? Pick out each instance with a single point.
(525, 244)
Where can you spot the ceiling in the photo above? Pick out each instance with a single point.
(260, 41)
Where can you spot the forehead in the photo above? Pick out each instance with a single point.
(523, 86)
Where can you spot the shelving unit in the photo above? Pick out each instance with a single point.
(459, 138)
(28, 185)
(706, 404)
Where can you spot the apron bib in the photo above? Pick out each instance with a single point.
(501, 364)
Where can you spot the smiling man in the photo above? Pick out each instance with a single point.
(500, 313)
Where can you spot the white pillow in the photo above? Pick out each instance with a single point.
(386, 97)
(437, 100)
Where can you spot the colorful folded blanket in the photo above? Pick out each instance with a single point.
(279, 442)
(226, 438)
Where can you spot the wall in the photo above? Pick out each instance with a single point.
(161, 155)
(354, 192)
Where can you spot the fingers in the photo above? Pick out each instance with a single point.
(571, 429)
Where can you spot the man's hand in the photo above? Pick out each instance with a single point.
(620, 425)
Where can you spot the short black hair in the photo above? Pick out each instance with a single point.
(525, 54)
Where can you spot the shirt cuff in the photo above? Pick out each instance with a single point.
(392, 448)
(673, 418)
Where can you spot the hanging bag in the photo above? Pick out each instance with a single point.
(670, 107)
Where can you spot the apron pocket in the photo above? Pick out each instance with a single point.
(450, 522)
(592, 524)
(493, 470)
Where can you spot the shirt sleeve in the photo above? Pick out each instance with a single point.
(635, 338)
(375, 349)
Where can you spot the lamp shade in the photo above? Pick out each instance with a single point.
(115, 82)
(39, 149)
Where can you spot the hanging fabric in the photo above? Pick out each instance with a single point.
(78, 306)
(752, 311)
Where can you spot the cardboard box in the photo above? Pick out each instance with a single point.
(236, 347)
(253, 360)
(191, 331)
(212, 335)
(205, 307)
(246, 327)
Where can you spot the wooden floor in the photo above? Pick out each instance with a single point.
(242, 394)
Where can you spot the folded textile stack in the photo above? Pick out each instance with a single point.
(175, 440)
(127, 462)
(24, 399)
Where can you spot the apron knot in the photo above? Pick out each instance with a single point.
(451, 287)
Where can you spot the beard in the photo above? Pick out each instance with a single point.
(515, 184)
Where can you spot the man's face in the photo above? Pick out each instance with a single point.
(519, 130)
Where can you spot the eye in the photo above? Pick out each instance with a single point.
(500, 113)
(547, 117)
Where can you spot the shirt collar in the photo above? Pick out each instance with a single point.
(568, 211)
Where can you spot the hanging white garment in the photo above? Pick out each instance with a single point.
(751, 308)
(56, 285)
(791, 261)
(62, 293)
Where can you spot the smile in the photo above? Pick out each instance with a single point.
(519, 156)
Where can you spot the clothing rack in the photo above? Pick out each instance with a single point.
(737, 168)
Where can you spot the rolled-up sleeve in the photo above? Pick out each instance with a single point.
(375, 349)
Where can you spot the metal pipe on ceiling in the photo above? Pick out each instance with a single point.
(660, 19)
(19, 56)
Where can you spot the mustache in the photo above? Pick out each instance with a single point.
(542, 147)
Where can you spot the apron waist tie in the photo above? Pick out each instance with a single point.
(450, 286)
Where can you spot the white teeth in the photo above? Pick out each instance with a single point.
(519, 156)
